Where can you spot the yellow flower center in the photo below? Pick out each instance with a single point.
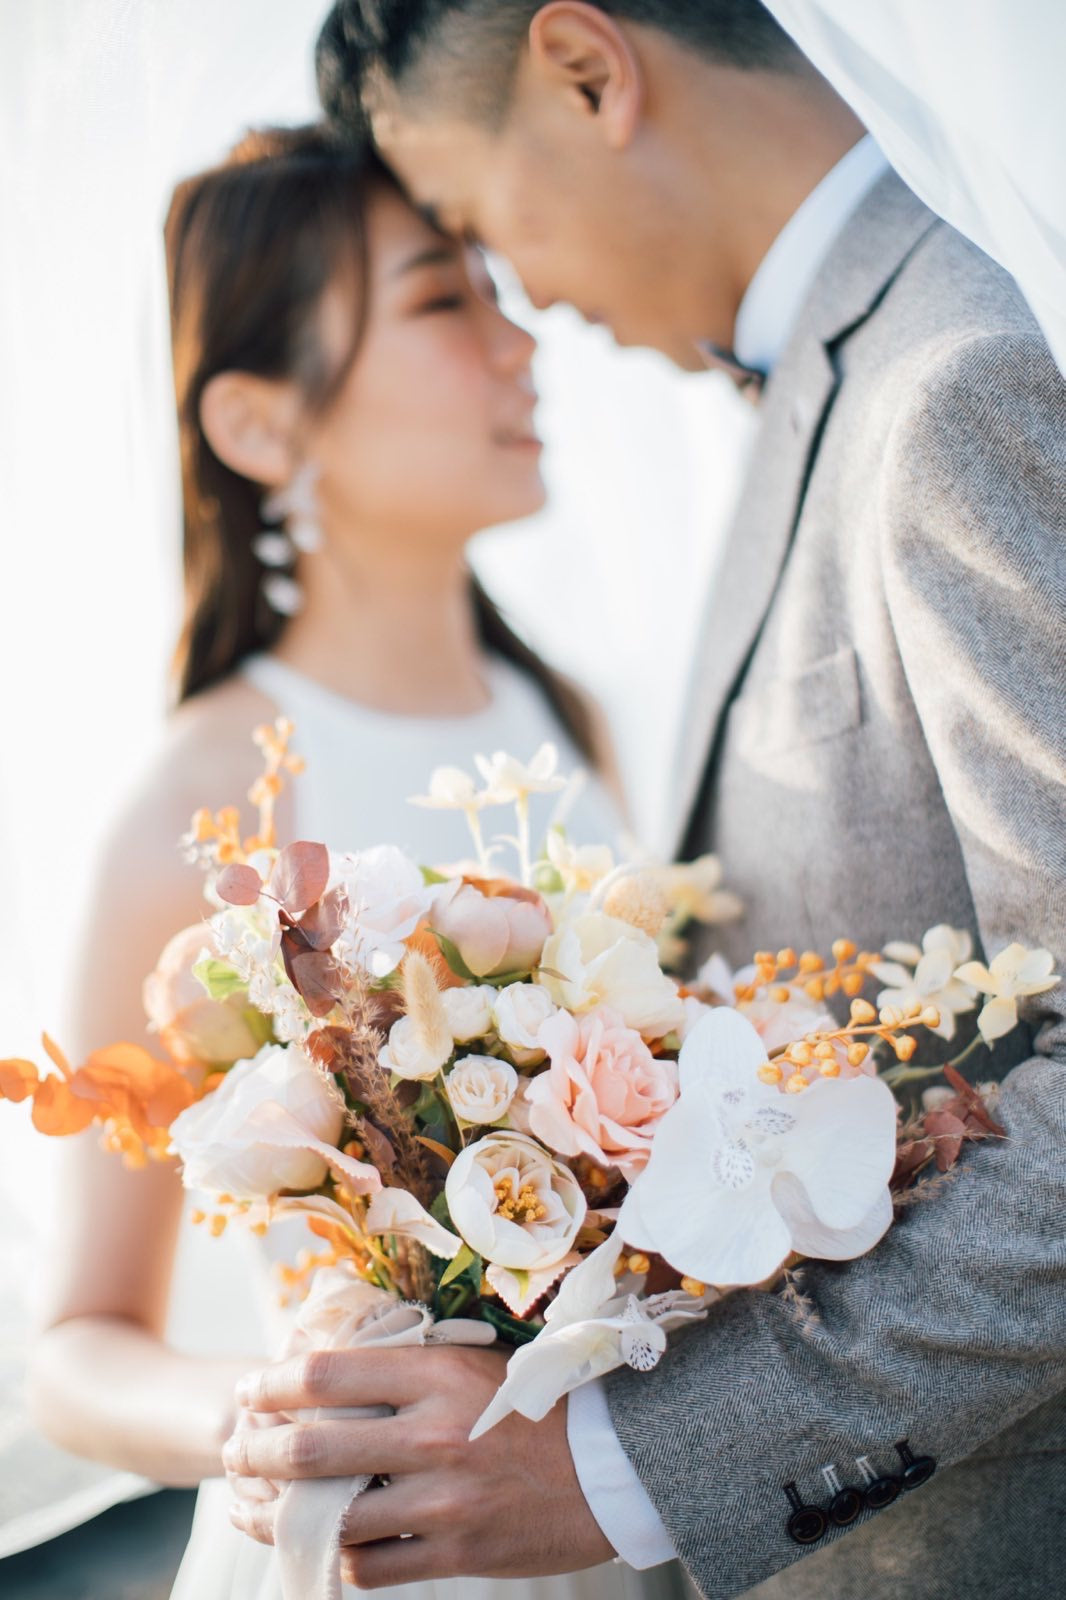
(523, 1207)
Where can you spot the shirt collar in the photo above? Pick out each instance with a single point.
(776, 293)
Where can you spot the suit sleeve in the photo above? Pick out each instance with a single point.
(955, 1326)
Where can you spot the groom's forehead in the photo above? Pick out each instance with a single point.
(439, 161)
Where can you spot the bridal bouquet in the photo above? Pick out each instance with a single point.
(496, 1108)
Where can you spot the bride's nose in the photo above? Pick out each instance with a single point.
(512, 348)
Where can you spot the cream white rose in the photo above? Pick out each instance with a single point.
(481, 1089)
(406, 1054)
(520, 1012)
(514, 1204)
(272, 1124)
(597, 960)
(469, 1011)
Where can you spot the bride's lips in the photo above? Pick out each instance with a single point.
(518, 441)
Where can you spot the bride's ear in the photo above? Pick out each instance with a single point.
(250, 424)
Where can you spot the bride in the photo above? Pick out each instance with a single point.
(353, 406)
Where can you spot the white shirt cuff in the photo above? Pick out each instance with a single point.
(616, 1497)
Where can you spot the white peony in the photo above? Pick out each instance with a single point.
(406, 1055)
(387, 899)
(740, 1175)
(469, 1011)
(519, 1012)
(480, 1089)
(272, 1124)
(597, 960)
(514, 1204)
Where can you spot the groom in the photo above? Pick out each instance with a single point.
(876, 743)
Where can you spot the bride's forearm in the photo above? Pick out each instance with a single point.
(108, 1389)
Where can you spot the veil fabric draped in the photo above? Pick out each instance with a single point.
(965, 98)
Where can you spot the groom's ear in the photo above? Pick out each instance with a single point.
(250, 424)
(582, 52)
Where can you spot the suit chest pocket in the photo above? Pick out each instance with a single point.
(790, 713)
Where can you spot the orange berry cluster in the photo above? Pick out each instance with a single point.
(823, 1054)
(273, 741)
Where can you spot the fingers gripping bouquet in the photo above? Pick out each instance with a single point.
(495, 1107)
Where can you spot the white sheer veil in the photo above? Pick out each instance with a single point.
(966, 99)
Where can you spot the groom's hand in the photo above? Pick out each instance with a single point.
(507, 1506)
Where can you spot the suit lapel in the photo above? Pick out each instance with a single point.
(795, 404)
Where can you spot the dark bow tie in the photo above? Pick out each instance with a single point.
(749, 380)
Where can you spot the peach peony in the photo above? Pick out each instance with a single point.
(604, 1094)
(497, 926)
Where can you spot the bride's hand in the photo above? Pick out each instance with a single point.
(506, 1506)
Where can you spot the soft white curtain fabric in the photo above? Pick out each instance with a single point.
(103, 104)
(965, 97)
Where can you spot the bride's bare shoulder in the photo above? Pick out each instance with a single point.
(204, 756)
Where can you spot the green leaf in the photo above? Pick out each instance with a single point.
(450, 952)
(430, 877)
(457, 1265)
(513, 1329)
(218, 978)
(506, 978)
(439, 1210)
(259, 1026)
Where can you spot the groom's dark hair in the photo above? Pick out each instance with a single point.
(475, 45)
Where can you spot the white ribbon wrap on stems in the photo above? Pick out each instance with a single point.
(342, 1312)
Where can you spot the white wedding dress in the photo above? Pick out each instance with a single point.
(362, 768)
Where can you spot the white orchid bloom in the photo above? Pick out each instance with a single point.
(933, 982)
(589, 1330)
(740, 1175)
(508, 780)
(450, 789)
(581, 867)
(1015, 973)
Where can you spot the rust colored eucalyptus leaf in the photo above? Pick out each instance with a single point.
(322, 922)
(316, 979)
(239, 885)
(973, 1101)
(948, 1131)
(300, 876)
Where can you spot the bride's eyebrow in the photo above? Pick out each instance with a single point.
(435, 255)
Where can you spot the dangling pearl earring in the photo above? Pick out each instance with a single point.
(295, 506)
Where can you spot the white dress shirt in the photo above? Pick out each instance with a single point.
(768, 311)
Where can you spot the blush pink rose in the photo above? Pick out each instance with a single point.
(603, 1094)
(497, 926)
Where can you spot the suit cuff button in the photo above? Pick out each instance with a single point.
(807, 1524)
(916, 1469)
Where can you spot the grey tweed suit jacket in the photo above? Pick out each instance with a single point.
(877, 743)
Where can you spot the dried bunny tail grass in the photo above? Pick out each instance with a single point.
(425, 1007)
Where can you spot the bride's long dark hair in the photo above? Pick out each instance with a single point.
(252, 245)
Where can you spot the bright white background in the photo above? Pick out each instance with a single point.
(103, 104)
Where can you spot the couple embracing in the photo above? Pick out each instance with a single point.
(875, 740)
